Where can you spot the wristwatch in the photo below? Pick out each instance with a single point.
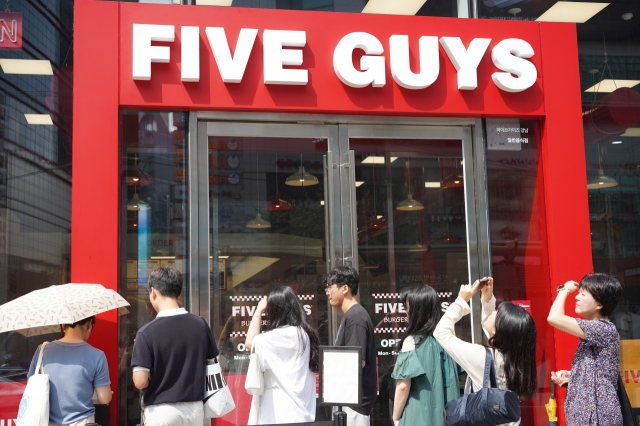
(561, 287)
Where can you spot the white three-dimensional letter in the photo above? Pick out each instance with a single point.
(144, 53)
(429, 62)
(510, 55)
(372, 65)
(275, 57)
(465, 60)
(231, 68)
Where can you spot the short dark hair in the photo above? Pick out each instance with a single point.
(83, 322)
(167, 280)
(344, 275)
(605, 289)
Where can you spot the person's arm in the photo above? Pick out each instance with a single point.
(141, 379)
(403, 386)
(101, 381)
(468, 355)
(558, 319)
(141, 361)
(400, 399)
(104, 394)
(256, 320)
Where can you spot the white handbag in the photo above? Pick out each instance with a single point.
(34, 406)
(254, 382)
(217, 395)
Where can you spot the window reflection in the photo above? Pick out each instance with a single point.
(154, 223)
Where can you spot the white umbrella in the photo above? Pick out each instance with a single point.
(40, 311)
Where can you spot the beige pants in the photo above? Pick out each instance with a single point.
(176, 414)
(83, 422)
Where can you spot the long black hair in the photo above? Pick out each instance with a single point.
(515, 338)
(424, 311)
(284, 308)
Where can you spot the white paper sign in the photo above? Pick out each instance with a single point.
(341, 370)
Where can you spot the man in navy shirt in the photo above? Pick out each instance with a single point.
(170, 356)
(356, 329)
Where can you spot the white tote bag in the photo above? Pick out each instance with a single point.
(34, 406)
(217, 395)
(254, 382)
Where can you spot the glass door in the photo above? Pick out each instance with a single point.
(268, 214)
(414, 224)
(280, 204)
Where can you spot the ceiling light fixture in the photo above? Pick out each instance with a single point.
(405, 7)
(135, 203)
(432, 184)
(616, 142)
(572, 11)
(631, 132)
(601, 181)
(39, 119)
(301, 178)
(359, 183)
(258, 222)
(377, 159)
(409, 204)
(610, 85)
(277, 204)
(26, 66)
(418, 248)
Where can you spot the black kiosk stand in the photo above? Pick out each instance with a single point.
(340, 379)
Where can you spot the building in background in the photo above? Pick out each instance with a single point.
(258, 205)
(36, 83)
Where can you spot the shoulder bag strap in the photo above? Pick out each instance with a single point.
(488, 368)
(39, 366)
(492, 373)
(209, 337)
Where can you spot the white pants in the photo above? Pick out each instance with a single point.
(176, 414)
(354, 418)
(82, 422)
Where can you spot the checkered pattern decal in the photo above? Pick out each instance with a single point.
(397, 295)
(238, 334)
(258, 298)
(389, 330)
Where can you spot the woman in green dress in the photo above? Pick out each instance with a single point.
(427, 377)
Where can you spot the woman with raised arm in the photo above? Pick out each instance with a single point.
(289, 356)
(592, 395)
(512, 340)
(427, 378)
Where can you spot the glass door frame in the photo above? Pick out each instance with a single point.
(340, 205)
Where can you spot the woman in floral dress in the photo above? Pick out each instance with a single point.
(592, 398)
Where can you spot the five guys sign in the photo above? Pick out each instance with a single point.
(284, 48)
(288, 61)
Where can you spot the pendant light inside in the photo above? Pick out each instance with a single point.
(418, 248)
(136, 204)
(601, 181)
(258, 223)
(409, 204)
(301, 178)
(277, 204)
(136, 177)
(452, 181)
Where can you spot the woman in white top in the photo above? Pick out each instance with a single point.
(512, 338)
(288, 355)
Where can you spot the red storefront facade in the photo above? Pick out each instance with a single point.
(105, 88)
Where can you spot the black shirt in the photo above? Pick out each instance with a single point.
(175, 349)
(356, 329)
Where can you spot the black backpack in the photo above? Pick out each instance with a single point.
(489, 406)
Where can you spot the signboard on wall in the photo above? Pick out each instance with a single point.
(630, 369)
(10, 30)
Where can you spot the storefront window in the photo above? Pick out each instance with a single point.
(518, 238)
(154, 224)
(411, 224)
(267, 202)
(35, 170)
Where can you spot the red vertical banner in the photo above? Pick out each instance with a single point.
(10, 30)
